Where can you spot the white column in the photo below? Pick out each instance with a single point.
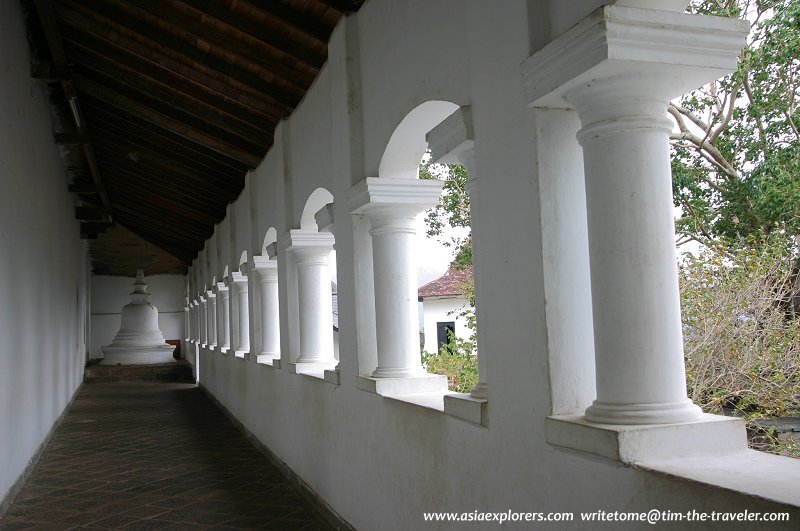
(204, 321)
(311, 250)
(223, 317)
(212, 319)
(481, 389)
(622, 104)
(242, 314)
(198, 329)
(637, 317)
(391, 205)
(187, 331)
(193, 315)
(266, 272)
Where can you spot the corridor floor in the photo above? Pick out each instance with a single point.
(154, 456)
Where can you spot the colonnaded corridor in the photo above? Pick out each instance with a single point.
(154, 456)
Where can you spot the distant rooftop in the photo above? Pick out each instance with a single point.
(448, 285)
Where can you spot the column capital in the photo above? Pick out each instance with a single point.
(262, 262)
(300, 238)
(678, 52)
(264, 267)
(220, 287)
(238, 279)
(393, 196)
(308, 244)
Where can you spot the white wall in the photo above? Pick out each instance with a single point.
(110, 294)
(445, 309)
(43, 273)
(380, 462)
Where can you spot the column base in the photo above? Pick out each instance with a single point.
(240, 353)
(480, 391)
(399, 372)
(665, 413)
(424, 383)
(708, 435)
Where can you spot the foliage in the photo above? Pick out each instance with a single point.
(457, 361)
(742, 350)
(736, 157)
(453, 209)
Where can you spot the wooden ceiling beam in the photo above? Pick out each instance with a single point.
(181, 65)
(156, 180)
(115, 117)
(164, 229)
(199, 210)
(120, 19)
(343, 6)
(309, 25)
(253, 29)
(166, 226)
(173, 89)
(47, 18)
(171, 123)
(180, 250)
(149, 155)
(244, 138)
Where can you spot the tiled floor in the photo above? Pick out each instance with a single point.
(154, 456)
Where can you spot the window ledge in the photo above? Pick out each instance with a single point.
(711, 435)
(333, 376)
(314, 370)
(467, 407)
(428, 391)
(749, 472)
(266, 359)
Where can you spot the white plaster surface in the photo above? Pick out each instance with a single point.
(381, 461)
(43, 269)
(110, 294)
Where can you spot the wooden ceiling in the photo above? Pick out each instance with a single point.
(162, 106)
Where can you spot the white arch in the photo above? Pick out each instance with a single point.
(243, 258)
(270, 238)
(318, 199)
(407, 144)
(226, 273)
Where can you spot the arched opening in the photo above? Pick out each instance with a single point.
(407, 144)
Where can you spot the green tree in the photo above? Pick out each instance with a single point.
(453, 209)
(736, 156)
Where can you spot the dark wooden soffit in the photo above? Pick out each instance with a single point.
(162, 106)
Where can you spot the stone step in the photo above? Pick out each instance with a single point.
(179, 371)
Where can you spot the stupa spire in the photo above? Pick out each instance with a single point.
(139, 340)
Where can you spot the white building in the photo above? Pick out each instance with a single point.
(443, 307)
(558, 111)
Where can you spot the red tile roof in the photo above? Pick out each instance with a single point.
(449, 284)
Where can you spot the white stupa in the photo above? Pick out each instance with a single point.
(139, 340)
